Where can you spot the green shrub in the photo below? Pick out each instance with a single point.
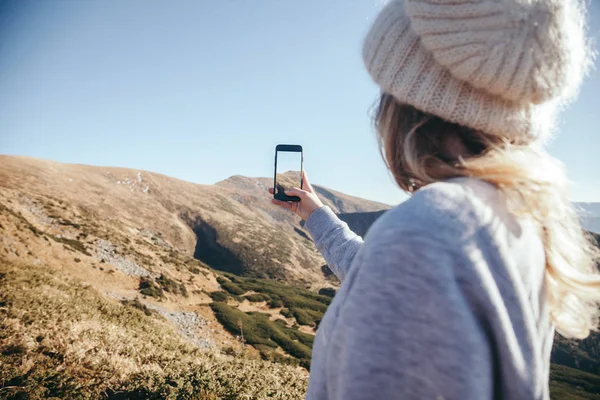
(259, 330)
(231, 287)
(257, 297)
(327, 291)
(149, 288)
(286, 312)
(171, 285)
(297, 301)
(304, 338)
(289, 296)
(327, 272)
(305, 306)
(281, 322)
(219, 296)
(275, 302)
(135, 303)
(255, 331)
(66, 222)
(274, 356)
(194, 270)
(307, 317)
(72, 243)
(293, 348)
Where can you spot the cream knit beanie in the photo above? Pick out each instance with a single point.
(501, 66)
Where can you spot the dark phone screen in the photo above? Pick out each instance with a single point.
(289, 165)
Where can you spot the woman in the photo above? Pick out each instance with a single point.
(455, 293)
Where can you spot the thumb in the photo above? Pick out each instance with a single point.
(303, 194)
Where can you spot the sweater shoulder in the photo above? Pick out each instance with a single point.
(443, 211)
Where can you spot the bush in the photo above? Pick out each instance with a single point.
(286, 313)
(307, 307)
(72, 243)
(171, 286)
(257, 298)
(282, 294)
(219, 296)
(149, 288)
(194, 270)
(274, 356)
(275, 302)
(255, 330)
(296, 301)
(303, 317)
(304, 338)
(326, 271)
(327, 291)
(231, 287)
(281, 322)
(293, 348)
(135, 303)
(259, 330)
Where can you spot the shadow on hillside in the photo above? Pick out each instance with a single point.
(209, 251)
(360, 222)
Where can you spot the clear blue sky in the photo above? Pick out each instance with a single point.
(202, 90)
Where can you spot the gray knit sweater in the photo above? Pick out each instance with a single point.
(443, 300)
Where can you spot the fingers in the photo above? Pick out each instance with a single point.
(306, 183)
(283, 204)
(271, 190)
(303, 194)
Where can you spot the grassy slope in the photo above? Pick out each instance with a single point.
(59, 338)
(292, 304)
(572, 384)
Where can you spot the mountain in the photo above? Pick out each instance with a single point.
(360, 222)
(590, 213)
(231, 225)
(122, 283)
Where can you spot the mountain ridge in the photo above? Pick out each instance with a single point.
(238, 209)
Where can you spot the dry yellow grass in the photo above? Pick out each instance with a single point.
(60, 338)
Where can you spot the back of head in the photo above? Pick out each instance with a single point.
(472, 88)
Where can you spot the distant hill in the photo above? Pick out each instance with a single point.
(231, 225)
(360, 222)
(590, 216)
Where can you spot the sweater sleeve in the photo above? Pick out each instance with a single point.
(336, 242)
(406, 330)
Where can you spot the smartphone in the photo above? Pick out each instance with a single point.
(289, 159)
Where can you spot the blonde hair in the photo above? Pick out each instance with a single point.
(420, 148)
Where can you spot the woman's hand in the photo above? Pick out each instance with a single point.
(308, 199)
